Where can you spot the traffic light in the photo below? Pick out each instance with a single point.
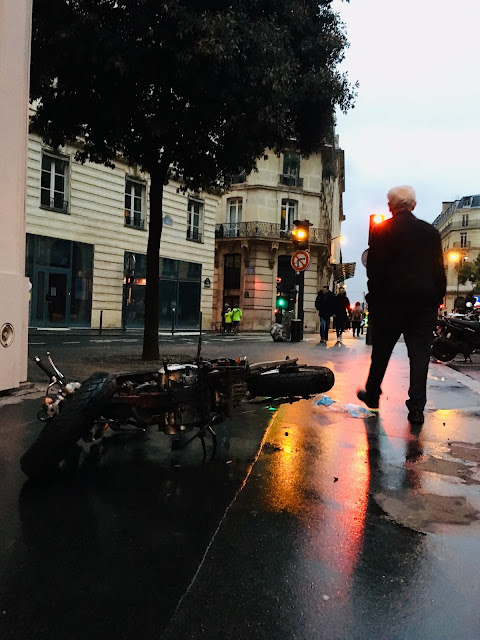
(375, 220)
(301, 234)
(282, 302)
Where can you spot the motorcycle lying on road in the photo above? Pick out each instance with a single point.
(455, 335)
(177, 398)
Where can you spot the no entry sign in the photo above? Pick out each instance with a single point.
(300, 260)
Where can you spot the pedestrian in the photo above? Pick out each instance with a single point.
(324, 306)
(224, 311)
(228, 320)
(357, 317)
(236, 317)
(341, 310)
(405, 271)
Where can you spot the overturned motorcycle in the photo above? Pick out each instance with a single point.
(178, 398)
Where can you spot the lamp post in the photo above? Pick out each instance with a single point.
(457, 259)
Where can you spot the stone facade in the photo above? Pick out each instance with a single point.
(459, 226)
(254, 221)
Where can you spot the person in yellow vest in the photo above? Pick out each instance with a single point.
(236, 317)
(228, 320)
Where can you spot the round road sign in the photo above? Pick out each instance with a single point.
(300, 260)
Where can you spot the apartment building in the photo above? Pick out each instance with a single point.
(253, 246)
(459, 227)
(87, 228)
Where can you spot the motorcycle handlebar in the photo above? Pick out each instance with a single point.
(51, 374)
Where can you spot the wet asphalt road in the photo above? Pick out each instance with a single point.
(345, 529)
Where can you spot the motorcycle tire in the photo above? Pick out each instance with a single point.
(59, 436)
(303, 382)
(443, 350)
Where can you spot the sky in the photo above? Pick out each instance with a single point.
(416, 119)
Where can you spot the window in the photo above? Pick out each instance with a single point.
(291, 170)
(134, 204)
(53, 183)
(195, 220)
(467, 202)
(288, 215)
(231, 271)
(463, 239)
(465, 220)
(234, 217)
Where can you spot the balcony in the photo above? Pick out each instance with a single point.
(462, 245)
(265, 231)
(290, 181)
(454, 226)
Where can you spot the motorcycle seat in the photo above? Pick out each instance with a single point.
(461, 323)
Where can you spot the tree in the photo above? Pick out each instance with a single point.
(470, 271)
(190, 90)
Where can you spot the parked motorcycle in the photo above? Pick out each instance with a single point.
(177, 398)
(455, 335)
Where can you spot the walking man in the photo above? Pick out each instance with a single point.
(236, 317)
(324, 306)
(405, 271)
(341, 310)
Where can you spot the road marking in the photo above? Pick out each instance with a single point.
(114, 340)
(72, 342)
(37, 343)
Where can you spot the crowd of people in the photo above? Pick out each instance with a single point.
(344, 315)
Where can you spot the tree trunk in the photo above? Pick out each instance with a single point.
(150, 334)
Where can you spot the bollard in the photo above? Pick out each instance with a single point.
(173, 321)
(101, 323)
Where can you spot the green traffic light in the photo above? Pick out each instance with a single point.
(281, 303)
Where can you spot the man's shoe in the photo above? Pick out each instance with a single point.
(372, 403)
(415, 416)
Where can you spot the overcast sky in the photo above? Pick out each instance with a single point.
(416, 118)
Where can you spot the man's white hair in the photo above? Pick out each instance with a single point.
(401, 198)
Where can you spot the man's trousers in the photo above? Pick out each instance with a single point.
(388, 323)
(324, 327)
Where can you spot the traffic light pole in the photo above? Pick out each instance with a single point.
(300, 309)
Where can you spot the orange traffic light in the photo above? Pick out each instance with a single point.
(375, 220)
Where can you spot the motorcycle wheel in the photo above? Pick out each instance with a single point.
(59, 436)
(443, 350)
(303, 381)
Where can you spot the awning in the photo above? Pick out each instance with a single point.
(343, 271)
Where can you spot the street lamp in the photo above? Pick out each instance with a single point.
(454, 257)
(458, 260)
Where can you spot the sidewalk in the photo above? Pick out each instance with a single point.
(349, 529)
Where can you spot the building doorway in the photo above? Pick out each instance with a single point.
(51, 307)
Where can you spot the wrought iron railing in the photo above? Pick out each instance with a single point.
(266, 230)
(194, 234)
(290, 181)
(473, 223)
(134, 222)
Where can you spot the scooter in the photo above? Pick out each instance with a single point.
(455, 335)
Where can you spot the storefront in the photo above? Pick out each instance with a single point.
(61, 274)
(179, 292)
